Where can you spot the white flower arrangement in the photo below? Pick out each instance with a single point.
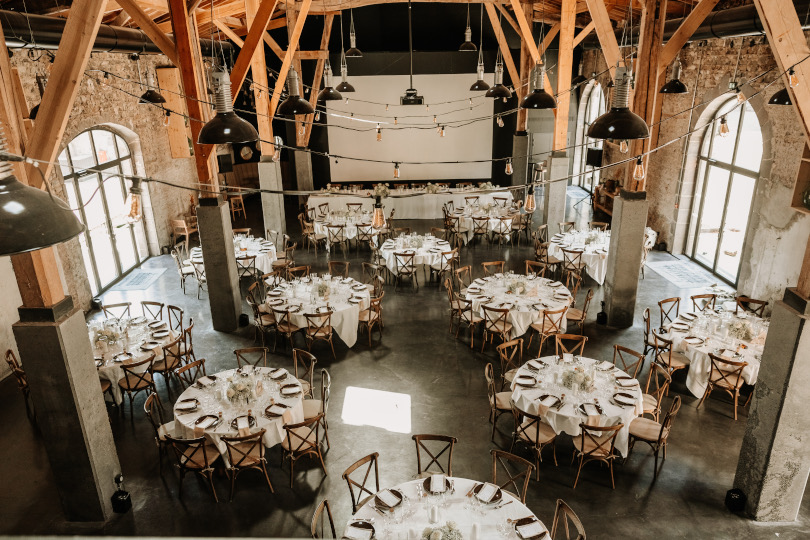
(381, 190)
(577, 376)
(432, 188)
(448, 531)
(331, 189)
(486, 185)
(108, 335)
(516, 287)
(240, 390)
(740, 330)
(592, 237)
(323, 288)
(417, 242)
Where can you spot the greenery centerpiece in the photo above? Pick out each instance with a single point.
(417, 242)
(592, 237)
(240, 390)
(486, 185)
(331, 189)
(516, 287)
(448, 531)
(323, 289)
(741, 330)
(432, 188)
(579, 377)
(107, 335)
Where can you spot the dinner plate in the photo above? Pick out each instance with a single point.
(137, 320)
(694, 340)
(689, 316)
(149, 345)
(426, 485)
(495, 498)
(122, 357)
(535, 365)
(156, 324)
(624, 399)
(211, 378)
(294, 309)
(364, 525)
(354, 300)
(584, 410)
(679, 327)
(292, 389)
(204, 419)
(278, 374)
(382, 506)
(275, 293)
(275, 302)
(358, 287)
(555, 284)
(551, 404)
(525, 381)
(160, 334)
(270, 414)
(251, 421)
(522, 523)
(187, 405)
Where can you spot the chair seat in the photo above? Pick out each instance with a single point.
(324, 332)
(646, 429)
(193, 457)
(530, 433)
(728, 382)
(166, 429)
(650, 403)
(368, 315)
(304, 385)
(135, 383)
(247, 454)
(552, 260)
(502, 401)
(312, 408)
(503, 327)
(590, 446)
(266, 319)
(678, 361)
(574, 314)
(510, 375)
(288, 328)
(296, 441)
(471, 318)
(544, 328)
(187, 270)
(105, 385)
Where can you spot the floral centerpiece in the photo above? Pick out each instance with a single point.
(592, 237)
(741, 330)
(331, 189)
(516, 287)
(486, 185)
(577, 376)
(107, 335)
(240, 390)
(448, 531)
(323, 288)
(380, 190)
(417, 242)
(432, 188)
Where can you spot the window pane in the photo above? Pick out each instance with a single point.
(64, 162)
(103, 254)
(723, 147)
(739, 204)
(88, 264)
(749, 151)
(123, 149)
(81, 151)
(711, 216)
(105, 145)
(94, 209)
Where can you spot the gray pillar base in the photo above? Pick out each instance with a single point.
(272, 205)
(520, 161)
(627, 239)
(71, 414)
(774, 462)
(303, 173)
(554, 199)
(216, 238)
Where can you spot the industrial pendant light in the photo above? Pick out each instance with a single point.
(41, 82)
(499, 90)
(225, 127)
(344, 85)
(620, 122)
(480, 85)
(539, 98)
(30, 218)
(411, 96)
(328, 93)
(353, 51)
(782, 97)
(674, 85)
(294, 104)
(150, 97)
(468, 45)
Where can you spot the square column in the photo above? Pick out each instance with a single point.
(272, 205)
(520, 157)
(555, 192)
(216, 238)
(624, 257)
(65, 390)
(303, 173)
(774, 461)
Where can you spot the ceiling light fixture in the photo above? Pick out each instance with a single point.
(294, 104)
(328, 93)
(344, 85)
(353, 51)
(225, 127)
(539, 98)
(480, 85)
(782, 97)
(620, 122)
(411, 96)
(674, 84)
(468, 45)
(509, 168)
(499, 90)
(579, 79)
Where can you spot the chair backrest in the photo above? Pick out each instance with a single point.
(500, 201)
(627, 360)
(365, 466)
(182, 249)
(535, 267)
(489, 375)
(598, 440)
(379, 283)
(553, 319)
(663, 350)
(199, 271)
(17, 370)
(464, 276)
(702, 301)
(511, 355)
(480, 225)
(587, 304)
(492, 267)
(725, 372)
(471, 200)
(116, 311)
(439, 232)
(154, 412)
(255, 356)
(188, 336)
(541, 233)
(370, 271)
(192, 453)
(495, 319)
(304, 437)
(323, 209)
(153, 310)
(272, 279)
(515, 470)
(658, 382)
(573, 281)
(138, 373)
(750, 305)
(326, 390)
(448, 285)
(527, 425)
(566, 226)
(645, 319)
(336, 234)
(190, 372)
(243, 450)
(175, 315)
(244, 230)
(171, 352)
(354, 206)
(563, 515)
(318, 527)
(339, 268)
(569, 343)
(319, 325)
(405, 265)
(298, 272)
(365, 232)
(256, 292)
(246, 265)
(669, 309)
(434, 446)
(601, 225)
(307, 361)
(572, 259)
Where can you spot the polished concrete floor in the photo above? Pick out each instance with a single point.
(443, 378)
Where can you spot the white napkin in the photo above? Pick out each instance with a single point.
(535, 364)
(204, 381)
(525, 380)
(568, 357)
(606, 365)
(356, 533)
(693, 341)
(290, 390)
(437, 483)
(623, 400)
(549, 401)
(276, 373)
(627, 383)
(530, 530)
(242, 423)
(185, 404)
(590, 409)
(208, 422)
(388, 498)
(276, 409)
(486, 492)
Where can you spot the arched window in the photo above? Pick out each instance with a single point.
(594, 108)
(109, 243)
(728, 168)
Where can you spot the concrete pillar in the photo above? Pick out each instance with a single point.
(70, 409)
(774, 461)
(624, 257)
(216, 239)
(303, 173)
(521, 148)
(272, 205)
(555, 192)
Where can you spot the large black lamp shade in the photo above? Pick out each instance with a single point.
(674, 85)
(294, 104)
(782, 97)
(344, 85)
(480, 85)
(151, 96)
(225, 127)
(620, 122)
(499, 90)
(539, 98)
(328, 93)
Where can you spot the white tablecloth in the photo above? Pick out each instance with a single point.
(713, 330)
(263, 250)
(414, 513)
(303, 294)
(467, 214)
(567, 418)
(524, 309)
(427, 250)
(416, 205)
(595, 251)
(213, 401)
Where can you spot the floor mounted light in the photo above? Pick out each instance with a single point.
(225, 127)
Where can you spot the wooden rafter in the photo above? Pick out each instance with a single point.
(604, 31)
(547, 39)
(252, 42)
(508, 18)
(514, 74)
(289, 54)
(316, 81)
(684, 32)
(565, 62)
(228, 31)
(273, 44)
(145, 22)
(258, 70)
(584, 33)
(525, 30)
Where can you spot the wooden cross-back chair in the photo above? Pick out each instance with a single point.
(472, 200)
(535, 433)
(499, 402)
(434, 446)
(457, 228)
(172, 359)
(255, 356)
(304, 374)
(175, 316)
(339, 268)
(667, 357)
(405, 269)
(596, 443)
(336, 236)
(354, 207)
(750, 305)
(284, 326)
(195, 455)
(492, 267)
(152, 310)
(199, 273)
(725, 374)
(263, 322)
(653, 433)
(302, 440)
(323, 210)
(549, 325)
(317, 526)
(314, 407)
(566, 226)
(502, 231)
(541, 233)
(246, 452)
(22, 379)
(500, 201)
(601, 225)
(463, 276)
(363, 493)
(628, 360)
(444, 265)
(480, 227)
(572, 261)
(649, 341)
(187, 346)
(702, 301)
(515, 469)
(246, 266)
(298, 272)
(535, 267)
(495, 324)
(371, 317)
(569, 344)
(541, 254)
(189, 373)
(116, 311)
(578, 316)
(137, 378)
(669, 309)
(573, 281)
(563, 515)
(658, 381)
(365, 233)
(319, 328)
(153, 410)
(511, 356)
(184, 269)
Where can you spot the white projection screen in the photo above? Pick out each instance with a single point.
(470, 142)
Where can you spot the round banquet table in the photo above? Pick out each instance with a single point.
(566, 418)
(427, 250)
(695, 335)
(540, 294)
(212, 400)
(410, 518)
(594, 244)
(137, 341)
(263, 250)
(467, 213)
(351, 221)
(347, 298)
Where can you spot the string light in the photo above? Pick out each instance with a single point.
(723, 130)
(396, 170)
(133, 202)
(793, 78)
(166, 118)
(499, 121)
(509, 169)
(441, 131)
(378, 221)
(624, 147)
(434, 119)
(386, 106)
(638, 170)
(395, 120)
(379, 133)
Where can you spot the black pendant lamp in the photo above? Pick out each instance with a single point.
(353, 51)
(620, 122)
(225, 127)
(328, 93)
(480, 85)
(539, 98)
(468, 45)
(294, 104)
(499, 90)
(151, 96)
(782, 97)
(344, 85)
(31, 218)
(674, 85)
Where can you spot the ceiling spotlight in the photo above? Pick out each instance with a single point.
(225, 127)
(353, 51)
(674, 85)
(620, 122)
(328, 93)
(539, 98)
(468, 45)
(499, 90)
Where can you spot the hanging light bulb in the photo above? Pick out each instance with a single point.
(539, 98)
(395, 120)
(317, 116)
(674, 85)
(722, 129)
(276, 152)
(499, 90)
(638, 170)
(740, 97)
(344, 85)
(480, 85)
(378, 220)
(396, 170)
(468, 45)
(434, 119)
(166, 117)
(499, 121)
(620, 122)
(379, 133)
(294, 104)
(353, 51)
(793, 78)
(328, 93)
(225, 127)
(624, 147)
(441, 131)
(509, 169)
(133, 202)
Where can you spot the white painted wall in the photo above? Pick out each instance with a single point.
(9, 302)
(470, 142)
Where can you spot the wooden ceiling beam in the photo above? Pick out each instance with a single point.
(311, 55)
(193, 5)
(508, 18)
(228, 31)
(525, 30)
(514, 74)
(316, 80)
(547, 39)
(604, 31)
(258, 71)
(565, 63)
(274, 46)
(252, 42)
(684, 32)
(145, 23)
(584, 33)
(289, 54)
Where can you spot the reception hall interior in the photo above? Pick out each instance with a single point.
(407, 270)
